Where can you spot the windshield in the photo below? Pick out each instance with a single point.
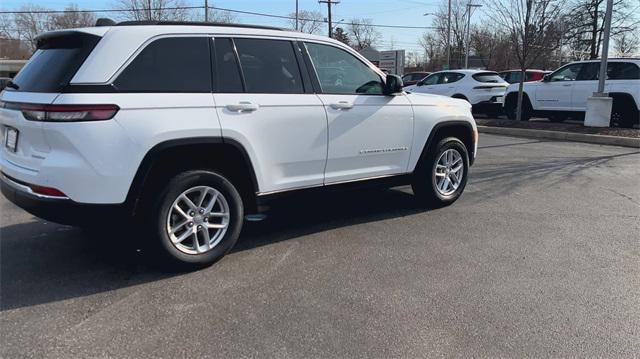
(54, 63)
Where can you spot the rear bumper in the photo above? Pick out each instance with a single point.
(55, 209)
(488, 106)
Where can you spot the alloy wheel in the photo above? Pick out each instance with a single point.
(448, 172)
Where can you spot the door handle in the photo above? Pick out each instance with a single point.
(342, 105)
(566, 85)
(243, 106)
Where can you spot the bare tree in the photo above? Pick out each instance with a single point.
(309, 21)
(433, 51)
(458, 29)
(530, 26)
(72, 18)
(221, 16)
(30, 23)
(626, 44)
(363, 34)
(585, 24)
(158, 10)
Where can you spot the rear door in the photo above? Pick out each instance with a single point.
(265, 102)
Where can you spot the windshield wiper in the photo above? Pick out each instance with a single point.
(13, 85)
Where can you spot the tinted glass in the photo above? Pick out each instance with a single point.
(489, 77)
(54, 63)
(227, 72)
(623, 71)
(340, 72)
(450, 77)
(589, 71)
(173, 64)
(269, 66)
(432, 79)
(567, 73)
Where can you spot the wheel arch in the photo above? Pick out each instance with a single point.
(460, 96)
(202, 152)
(623, 95)
(463, 130)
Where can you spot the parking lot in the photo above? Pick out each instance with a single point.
(540, 257)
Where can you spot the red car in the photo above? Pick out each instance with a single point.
(513, 76)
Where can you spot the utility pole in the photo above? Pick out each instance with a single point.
(149, 9)
(329, 3)
(206, 10)
(466, 56)
(296, 15)
(449, 38)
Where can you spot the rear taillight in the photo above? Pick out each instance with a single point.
(62, 113)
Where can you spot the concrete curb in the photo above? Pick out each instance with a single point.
(563, 136)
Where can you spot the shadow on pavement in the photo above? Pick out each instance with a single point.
(44, 262)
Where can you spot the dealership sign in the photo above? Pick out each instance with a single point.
(392, 61)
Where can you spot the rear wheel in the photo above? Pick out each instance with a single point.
(511, 106)
(442, 174)
(197, 219)
(624, 113)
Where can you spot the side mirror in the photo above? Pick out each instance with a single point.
(420, 83)
(393, 84)
(546, 78)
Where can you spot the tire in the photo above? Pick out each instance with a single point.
(425, 181)
(221, 200)
(624, 113)
(511, 106)
(493, 113)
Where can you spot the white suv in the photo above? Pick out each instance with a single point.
(483, 89)
(188, 128)
(563, 93)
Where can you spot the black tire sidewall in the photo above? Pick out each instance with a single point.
(425, 183)
(160, 211)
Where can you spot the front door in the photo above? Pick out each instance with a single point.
(370, 134)
(555, 94)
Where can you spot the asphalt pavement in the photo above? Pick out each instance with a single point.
(539, 258)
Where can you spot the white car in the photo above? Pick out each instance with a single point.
(484, 90)
(176, 132)
(563, 93)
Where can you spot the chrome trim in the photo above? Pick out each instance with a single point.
(329, 184)
(27, 189)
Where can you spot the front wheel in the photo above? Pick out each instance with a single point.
(441, 176)
(197, 219)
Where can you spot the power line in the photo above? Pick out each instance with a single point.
(214, 8)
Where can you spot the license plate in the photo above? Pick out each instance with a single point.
(11, 139)
(500, 99)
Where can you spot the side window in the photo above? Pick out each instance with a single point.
(432, 79)
(567, 73)
(269, 66)
(342, 73)
(451, 77)
(589, 72)
(172, 64)
(228, 78)
(623, 71)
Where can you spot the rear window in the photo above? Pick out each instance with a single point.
(54, 63)
(490, 77)
(172, 64)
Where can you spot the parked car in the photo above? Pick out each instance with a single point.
(4, 81)
(412, 78)
(484, 90)
(513, 76)
(182, 132)
(563, 93)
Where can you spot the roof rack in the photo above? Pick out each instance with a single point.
(195, 23)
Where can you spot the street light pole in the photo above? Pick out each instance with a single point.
(466, 56)
(206, 10)
(296, 15)
(605, 48)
